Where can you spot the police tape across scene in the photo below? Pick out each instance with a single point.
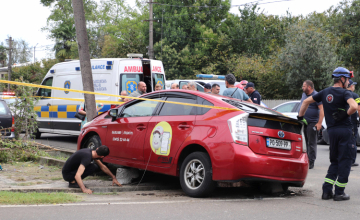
(120, 96)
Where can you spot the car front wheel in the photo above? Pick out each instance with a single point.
(196, 175)
(93, 143)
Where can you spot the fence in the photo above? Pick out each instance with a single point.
(271, 103)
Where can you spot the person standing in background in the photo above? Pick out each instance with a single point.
(314, 116)
(252, 93)
(354, 120)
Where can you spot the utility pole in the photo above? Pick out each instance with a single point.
(9, 63)
(84, 55)
(34, 52)
(151, 27)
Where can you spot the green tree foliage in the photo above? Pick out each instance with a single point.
(308, 54)
(61, 27)
(188, 35)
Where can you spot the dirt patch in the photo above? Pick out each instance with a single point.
(28, 173)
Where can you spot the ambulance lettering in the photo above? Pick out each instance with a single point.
(133, 69)
(95, 67)
(156, 69)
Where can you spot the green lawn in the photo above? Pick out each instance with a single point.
(18, 198)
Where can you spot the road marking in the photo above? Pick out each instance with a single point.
(138, 203)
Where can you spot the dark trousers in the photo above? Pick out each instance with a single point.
(311, 141)
(341, 157)
(89, 169)
(355, 129)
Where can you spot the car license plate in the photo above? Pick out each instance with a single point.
(277, 143)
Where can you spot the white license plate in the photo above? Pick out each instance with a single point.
(278, 143)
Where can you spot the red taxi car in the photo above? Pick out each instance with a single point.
(201, 145)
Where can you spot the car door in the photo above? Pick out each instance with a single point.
(125, 135)
(44, 108)
(169, 128)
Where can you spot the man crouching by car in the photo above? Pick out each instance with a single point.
(79, 166)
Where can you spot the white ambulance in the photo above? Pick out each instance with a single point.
(110, 76)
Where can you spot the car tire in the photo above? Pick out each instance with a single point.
(93, 143)
(200, 184)
(37, 134)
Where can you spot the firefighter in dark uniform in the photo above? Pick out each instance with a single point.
(338, 105)
(354, 120)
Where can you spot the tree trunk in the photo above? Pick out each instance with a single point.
(84, 54)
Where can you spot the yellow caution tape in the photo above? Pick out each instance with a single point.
(104, 94)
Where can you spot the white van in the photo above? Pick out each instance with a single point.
(110, 76)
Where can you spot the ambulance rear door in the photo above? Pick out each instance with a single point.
(157, 73)
(131, 73)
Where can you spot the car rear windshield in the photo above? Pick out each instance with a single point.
(4, 110)
(250, 108)
(276, 124)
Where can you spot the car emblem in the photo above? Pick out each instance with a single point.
(281, 134)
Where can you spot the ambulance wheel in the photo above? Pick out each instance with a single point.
(196, 175)
(93, 143)
(37, 134)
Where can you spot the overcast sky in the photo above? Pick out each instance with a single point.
(23, 19)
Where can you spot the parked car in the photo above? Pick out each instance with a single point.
(201, 145)
(291, 110)
(6, 121)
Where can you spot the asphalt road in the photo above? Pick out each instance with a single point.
(68, 142)
(225, 203)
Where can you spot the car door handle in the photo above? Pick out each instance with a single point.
(140, 127)
(48, 104)
(184, 126)
(104, 126)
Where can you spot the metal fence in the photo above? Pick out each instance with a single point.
(271, 103)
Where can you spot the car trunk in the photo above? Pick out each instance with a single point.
(5, 119)
(275, 135)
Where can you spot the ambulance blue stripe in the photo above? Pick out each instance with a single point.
(105, 108)
(44, 108)
(62, 108)
(70, 114)
(53, 114)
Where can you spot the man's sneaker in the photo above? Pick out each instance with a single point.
(354, 164)
(73, 185)
(342, 197)
(327, 196)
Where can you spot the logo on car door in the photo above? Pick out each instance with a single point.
(160, 139)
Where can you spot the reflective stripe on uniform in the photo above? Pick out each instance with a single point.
(357, 100)
(340, 184)
(332, 182)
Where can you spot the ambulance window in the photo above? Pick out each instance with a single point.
(46, 92)
(158, 79)
(129, 82)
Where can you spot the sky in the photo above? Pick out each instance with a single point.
(23, 19)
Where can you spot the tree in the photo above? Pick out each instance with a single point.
(308, 54)
(182, 35)
(3, 55)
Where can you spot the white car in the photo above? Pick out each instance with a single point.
(291, 109)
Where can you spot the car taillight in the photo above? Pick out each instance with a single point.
(238, 128)
(303, 139)
(113, 106)
(13, 124)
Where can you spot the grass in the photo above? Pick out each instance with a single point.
(17, 198)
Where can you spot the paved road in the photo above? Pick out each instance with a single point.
(58, 141)
(225, 203)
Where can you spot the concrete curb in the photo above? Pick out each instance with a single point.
(95, 189)
(51, 161)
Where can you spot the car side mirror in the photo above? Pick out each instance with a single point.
(113, 113)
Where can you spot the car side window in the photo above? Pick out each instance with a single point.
(46, 92)
(199, 88)
(286, 107)
(182, 83)
(176, 109)
(140, 109)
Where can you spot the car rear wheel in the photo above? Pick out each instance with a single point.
(93, 143)
(196, 175)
